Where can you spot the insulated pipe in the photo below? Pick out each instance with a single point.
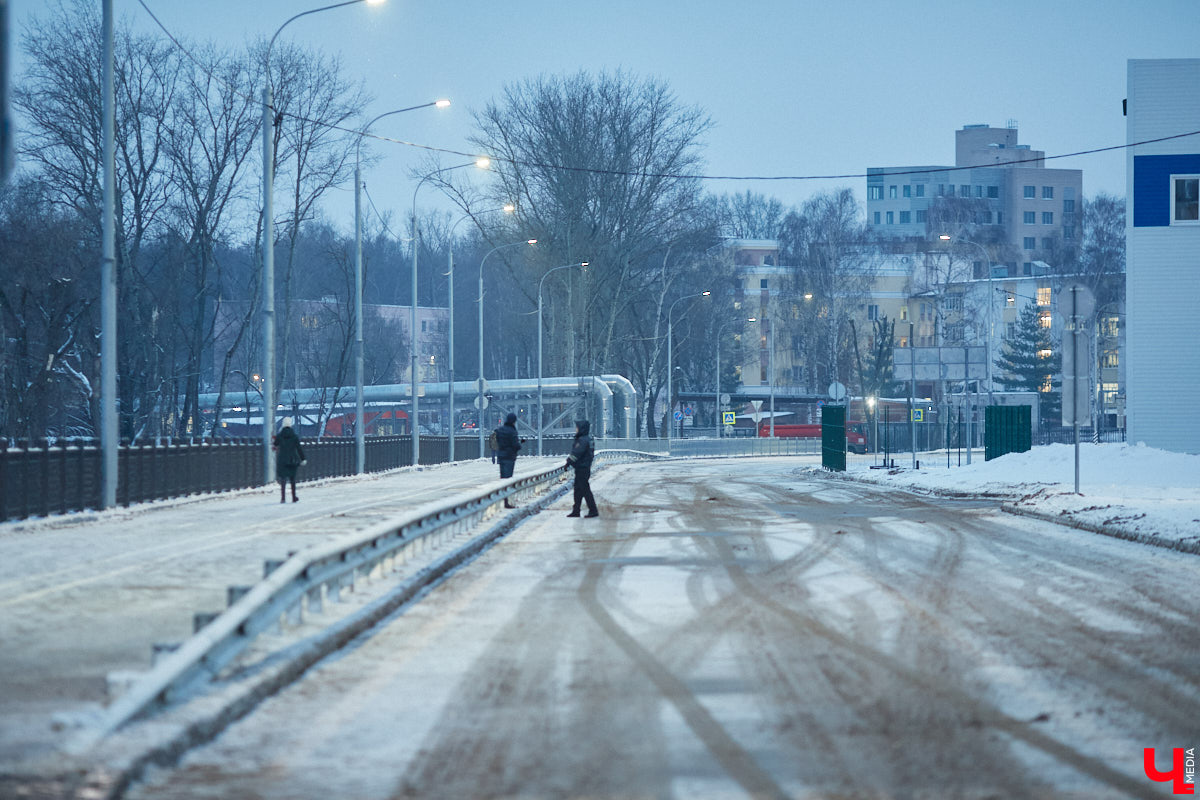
(625, 408)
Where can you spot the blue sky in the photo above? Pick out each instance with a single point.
(794, 88)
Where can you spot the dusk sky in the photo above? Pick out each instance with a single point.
(793, 88)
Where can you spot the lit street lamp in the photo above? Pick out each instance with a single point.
(360, 420)
(670, 399)
(268, 243)
(581, 264)
(482, 163)
(479, 300)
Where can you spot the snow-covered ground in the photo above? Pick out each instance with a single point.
(1132, 490)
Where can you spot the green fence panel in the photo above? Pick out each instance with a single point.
(1007, 429)
(833, 438)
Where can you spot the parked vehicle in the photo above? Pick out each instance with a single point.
(856, 442)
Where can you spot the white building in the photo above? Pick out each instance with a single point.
(1163, 253)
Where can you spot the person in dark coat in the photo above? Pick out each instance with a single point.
(583, 450)
(508, 443)
(289, 455)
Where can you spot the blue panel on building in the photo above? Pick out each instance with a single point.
(1151, 186)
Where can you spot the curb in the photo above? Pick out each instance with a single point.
(1192, 547)
(122, 770)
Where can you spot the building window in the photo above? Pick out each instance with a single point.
(1029, 243)
(891, 218)
(941, 190)
(1045, 320)
(872, 312)
(1043, 296)
(1047, 217)
(926, 311)
(1185, 199)
(979, 191)
(1030, 192)
(874, 192)
(762, 284)
(1011, 299)
(920, 215)
(905, 217)
(1110, 327)
(1047, 243)
(907, 190)
(1030, 217)
(1026, 269)
(993, 192)
(903, 313)
(1108, 394)
(1010, 330)
(1069, 233)
(892, 192)
(424, 326)
(1047, 192)
(1110, 359)
(876, 217)
(964, 190)
(920, 190)
(999, 217)
(1068, 206)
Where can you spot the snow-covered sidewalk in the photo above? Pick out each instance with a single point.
(1127, 490)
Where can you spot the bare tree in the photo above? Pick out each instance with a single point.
(599, 168)
(1102, 256)
(60, 97)
(212, 136)
(748, 215)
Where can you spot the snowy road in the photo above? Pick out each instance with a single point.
(739, 629)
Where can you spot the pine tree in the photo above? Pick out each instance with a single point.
(1029, 363)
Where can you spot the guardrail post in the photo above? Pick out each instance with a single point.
(315, 596)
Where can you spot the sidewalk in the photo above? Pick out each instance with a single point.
(84, 597)
(1128, 491)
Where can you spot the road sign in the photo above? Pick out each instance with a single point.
(837, 392)
(678, 416)
(481, 385)
(486, 401)
(729, 417)
(724, 398)
(918, 415)
(687, 410)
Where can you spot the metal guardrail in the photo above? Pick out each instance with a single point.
(310, 576)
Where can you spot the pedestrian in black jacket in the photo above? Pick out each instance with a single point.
(289, 455)
(583, 450)
(507, 445)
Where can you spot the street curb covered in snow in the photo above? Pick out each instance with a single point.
(1192, 547)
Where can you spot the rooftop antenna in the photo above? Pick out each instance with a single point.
(1012, 124)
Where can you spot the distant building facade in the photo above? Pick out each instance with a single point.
(1163, 252)
(998, 189)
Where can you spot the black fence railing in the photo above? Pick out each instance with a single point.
(43, 478)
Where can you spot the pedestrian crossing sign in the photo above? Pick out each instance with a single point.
(918, 415)
(729, 417)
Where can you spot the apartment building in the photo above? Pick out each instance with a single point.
(998, 189)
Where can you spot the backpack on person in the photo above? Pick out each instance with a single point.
(494, 441)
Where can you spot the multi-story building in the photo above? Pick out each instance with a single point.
(999, 189)
(1163, 252)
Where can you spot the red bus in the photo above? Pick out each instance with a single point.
(856, 442)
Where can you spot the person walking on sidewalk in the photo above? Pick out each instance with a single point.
(289, 456)
(507, 445)
(583, 450)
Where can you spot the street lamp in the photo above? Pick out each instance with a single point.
(717, 390)
(770, 362)
(582, 265)
(945, 237)
(479, 300)
(508, 209)
(670, 401)
(360, 420)
(268, 242)
(483, 163)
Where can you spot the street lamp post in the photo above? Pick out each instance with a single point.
(582, 265)
(268, 242)
(770, 365)
(360, 419)
(670, 399)
(414, 383)
(717, 384)
(945, 237)
(479, 300)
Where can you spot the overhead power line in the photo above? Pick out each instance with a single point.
(672, 175)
